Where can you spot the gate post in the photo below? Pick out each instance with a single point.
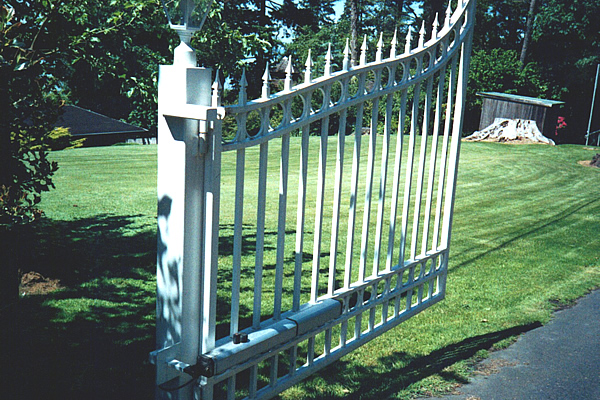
(180, 192)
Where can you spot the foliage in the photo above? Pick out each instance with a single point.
(566, 44)
(60, 138)
(29, 107)
(565, 49)
(498, 70)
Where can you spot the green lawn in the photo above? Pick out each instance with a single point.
(525, 241)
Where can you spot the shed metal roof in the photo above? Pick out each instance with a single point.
(520, 99)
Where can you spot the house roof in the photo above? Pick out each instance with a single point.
(82, 122)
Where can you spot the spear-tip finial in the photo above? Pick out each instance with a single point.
(346, 62)
(266, 91)
(243, 97)
(435, 26)
(407, 46)
(448, 14)
(308, 70)
(379, 47)
(327, 71)
(216, 91)
(363, 51)
(422, 35)
(289, 70)
(393, 44)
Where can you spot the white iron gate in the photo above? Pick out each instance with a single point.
(260, 282)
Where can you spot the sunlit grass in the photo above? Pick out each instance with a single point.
(525, 238)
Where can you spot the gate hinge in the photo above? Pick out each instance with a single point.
(204, 367)
(205, 128)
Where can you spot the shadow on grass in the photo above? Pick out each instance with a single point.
(91, 339)
(505, 240)
(403, 370)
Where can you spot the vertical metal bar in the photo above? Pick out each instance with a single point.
(273, 370)
(409, 172)
(396, 182)
(344, 325)
(358, 320)
(316, 263)
(337, 197)
(364, 243)
(231, 388)
(283, 189)
(237, 241)
(253, 386)
(431, 271)
(420, 278)
(589, 130)
(310, 355)
(300, 218)
(463, 77)
(433, 159)
(353, 195)
(293, 360)
(384, 309)
(385, 152)
(192, 280)
(260, 233)
(421, 170)
(444, 160)
(327, 342)
(212, 196)
(373, 309)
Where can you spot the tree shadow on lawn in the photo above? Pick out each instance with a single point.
(402, 369)
(91, 339)
(522, 231)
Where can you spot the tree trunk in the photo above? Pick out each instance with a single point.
(528, 32)
(399, 10)
(353, 31)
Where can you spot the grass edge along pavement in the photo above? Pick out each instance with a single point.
(523, 242)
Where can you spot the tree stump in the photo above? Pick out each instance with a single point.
(511, 131)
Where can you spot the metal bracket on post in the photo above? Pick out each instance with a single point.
(168, 367)
(206, 117)
(162, 359)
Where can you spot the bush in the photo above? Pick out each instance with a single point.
(499, 70)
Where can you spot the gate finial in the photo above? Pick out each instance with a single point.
(289, 69)
(308, 70)
(346, 62)
(422, 35)
(408, 40)
(435, 26)
(448, 14)
(379, 47)
(363, 51)
(266, 91)
(243, 96)
(393, 44)
(216, 91)
(327, 71)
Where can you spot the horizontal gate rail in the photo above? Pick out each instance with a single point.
(359, 245)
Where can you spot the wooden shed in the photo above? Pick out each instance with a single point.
(512, 106)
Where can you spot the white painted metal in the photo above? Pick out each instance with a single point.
(589, 133)
(395, 261)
